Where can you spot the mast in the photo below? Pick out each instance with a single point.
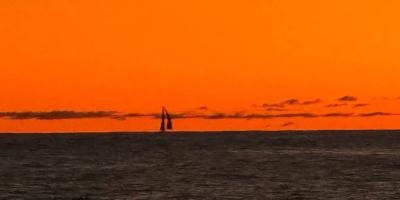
(169, 121)
(162, 128)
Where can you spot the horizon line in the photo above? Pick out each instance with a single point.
(196, 131)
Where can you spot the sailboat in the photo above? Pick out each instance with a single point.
(165, 114)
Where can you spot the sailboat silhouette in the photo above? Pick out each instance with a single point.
(165, 114)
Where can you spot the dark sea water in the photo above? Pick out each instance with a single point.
(218, 165)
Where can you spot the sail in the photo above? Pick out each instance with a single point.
(162, 128)
(169, 121)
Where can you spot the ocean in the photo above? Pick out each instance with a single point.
(202, 165)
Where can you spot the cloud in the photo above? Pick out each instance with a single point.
(57, 115)
(241, 115)
(290, 102)
(337, 115)
(347, 98)
(374, 114)
(291, 115)
(316, 101)
(214, 116)
(275, 105)
(386, 98)
(158, 115)
(202, 108)
(336, 105)
(276, 109)
(131, 115)
(248, 116)
(360, 105)
(269, 116)
(64, 115)
(287, 124)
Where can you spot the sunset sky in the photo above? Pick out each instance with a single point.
(97, 65)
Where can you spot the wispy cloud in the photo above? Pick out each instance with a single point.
(360, 105)
(202, 108)
(288, 124)
(64, 115)
(275, 105)
(276, 109)
(374, 114)
(241, 115)
(337, 115)
(347, 98)
(291, 115)
(221, 115)
(57, 115)
(290, 102)
(131, 115)
(316, 101)
(336, 105)
(386, 98)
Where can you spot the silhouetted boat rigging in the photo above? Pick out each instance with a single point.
(165, 114)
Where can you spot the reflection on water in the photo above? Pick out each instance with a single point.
(246, 165)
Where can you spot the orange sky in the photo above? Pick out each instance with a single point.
(230, 56)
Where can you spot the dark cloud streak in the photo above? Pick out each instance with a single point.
(316, 101)
(57, 115)
(374, 114)
(290, 102)
(202, 108)
(288, 124)
(360, 105)
(336, 105)
(347, 98)
(276, 109)
(64, 115)
(338, 115)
